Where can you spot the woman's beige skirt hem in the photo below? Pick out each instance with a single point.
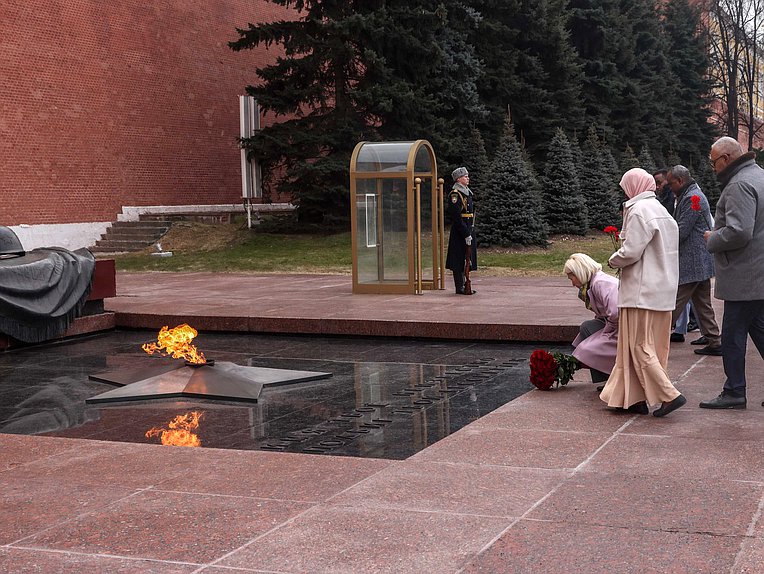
(641, 359)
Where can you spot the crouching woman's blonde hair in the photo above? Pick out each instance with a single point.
(582, 266)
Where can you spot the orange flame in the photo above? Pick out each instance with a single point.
(176, 343)
(179, 431)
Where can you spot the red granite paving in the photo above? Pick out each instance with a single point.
(551, 482)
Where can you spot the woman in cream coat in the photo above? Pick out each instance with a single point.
(649, 264)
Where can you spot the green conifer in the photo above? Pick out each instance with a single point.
(597, 183)
(564, 205)
(511, 210)
(628, 160)
(646, 161)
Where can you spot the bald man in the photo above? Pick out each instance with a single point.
(737, 242)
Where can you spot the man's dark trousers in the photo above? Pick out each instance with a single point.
(741, 318)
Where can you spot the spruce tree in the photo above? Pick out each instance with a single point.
(530, 67)
(595, 27)
(576, 151)
(707, 181)
(474, 158)
(614, 174)
(627, 77)
(598, 187)
(646, 161)
(672, 158)
(352, 71)
(628, 160)
(689, 61)
(511, 210)
(427, 50)
(564, 205)
(649, 102)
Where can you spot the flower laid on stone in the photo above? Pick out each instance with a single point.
(695, 204)
(549, 369)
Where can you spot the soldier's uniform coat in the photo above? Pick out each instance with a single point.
(461, 210)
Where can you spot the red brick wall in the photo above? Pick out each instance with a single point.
(105, 104)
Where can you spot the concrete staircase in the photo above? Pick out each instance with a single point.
(126, 236)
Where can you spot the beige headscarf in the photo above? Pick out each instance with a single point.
(636, 181)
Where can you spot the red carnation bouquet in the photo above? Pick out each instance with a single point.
(548, 369)
(695, 204)
(615, 237)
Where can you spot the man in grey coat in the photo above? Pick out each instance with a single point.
(737, 243)
(696, 264)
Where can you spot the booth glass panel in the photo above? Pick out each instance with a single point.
(395, 252)
(427, 233)
(381, 230)
(423, 161)
(385, 157)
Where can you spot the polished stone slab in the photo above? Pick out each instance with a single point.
(384, 399)
(222, 380)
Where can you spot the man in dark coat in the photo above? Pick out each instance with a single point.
(737, 243)
(663, 190)
(461, 210)
(696, 264)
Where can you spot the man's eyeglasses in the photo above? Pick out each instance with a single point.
(713, 161)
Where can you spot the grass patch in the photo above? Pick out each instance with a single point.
(235, 249)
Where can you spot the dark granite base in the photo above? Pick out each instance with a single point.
(385, 399)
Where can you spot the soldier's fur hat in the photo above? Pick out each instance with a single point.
(459, 172)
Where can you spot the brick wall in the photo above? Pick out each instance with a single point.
(105, 104)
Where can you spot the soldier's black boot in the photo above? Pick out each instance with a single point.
(459, 282)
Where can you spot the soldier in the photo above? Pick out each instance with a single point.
(462, 213)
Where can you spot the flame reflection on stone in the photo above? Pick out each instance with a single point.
(179, 430)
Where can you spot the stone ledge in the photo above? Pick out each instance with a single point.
(80, 326)
(355, 327)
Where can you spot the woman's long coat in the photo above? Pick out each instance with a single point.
(598, 350)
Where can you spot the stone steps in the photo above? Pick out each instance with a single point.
(127, 236)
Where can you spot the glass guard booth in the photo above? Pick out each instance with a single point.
(397, 218)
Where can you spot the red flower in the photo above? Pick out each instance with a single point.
(543, 369)
(695, 204)
(612, 230)
(550, 368)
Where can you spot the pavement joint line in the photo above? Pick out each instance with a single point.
(749, 533)
(616, 433)
(541, 500)
(287, 522)
(691, 368)
(255, 539)
(100, 555)
(222, 495)
(76, 517)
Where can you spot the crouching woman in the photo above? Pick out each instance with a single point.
(597, 340)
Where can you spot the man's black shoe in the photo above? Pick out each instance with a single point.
(701, 341)
(709, 350)
(724, 401)
(465, 292)
(666, 408)
(692, 326)
(677, 338)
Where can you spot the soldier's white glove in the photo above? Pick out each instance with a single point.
(468, 240)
